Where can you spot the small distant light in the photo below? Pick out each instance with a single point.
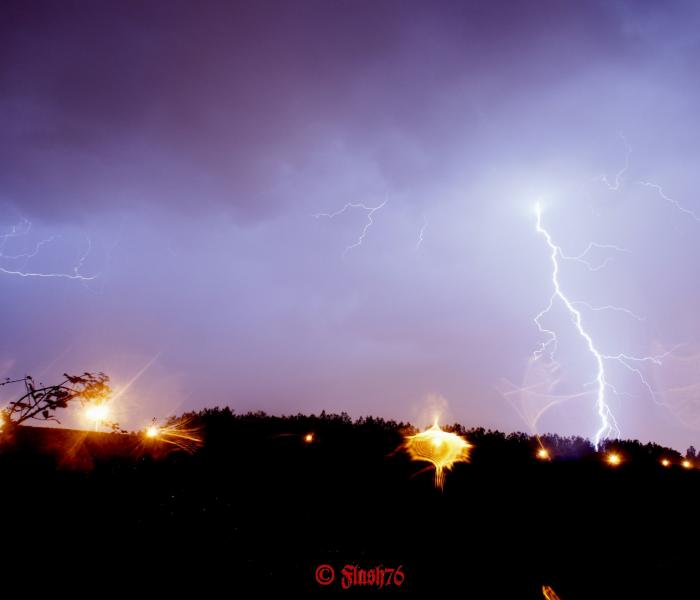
(665, 462)
(309, 437)
(542, 454)
(686, 464)
(614, 459)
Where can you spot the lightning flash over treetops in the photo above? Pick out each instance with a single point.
(327, 205)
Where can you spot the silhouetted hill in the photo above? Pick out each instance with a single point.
(259, 506)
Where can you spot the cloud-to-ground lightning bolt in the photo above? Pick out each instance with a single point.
(22, 229)
(607, 420)
(370, 210)
(608, 424)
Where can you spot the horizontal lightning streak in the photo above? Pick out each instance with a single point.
(22, 229)
(610, 307)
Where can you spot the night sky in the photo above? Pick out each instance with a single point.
(166, 159)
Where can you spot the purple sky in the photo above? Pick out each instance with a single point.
(179, 150)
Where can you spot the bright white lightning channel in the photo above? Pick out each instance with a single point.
(607, 420)
(608, 424)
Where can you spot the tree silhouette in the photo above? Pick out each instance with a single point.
(41, 402)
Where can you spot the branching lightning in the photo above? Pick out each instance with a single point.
(677, 205)
(620, 175)
(608, 425)
(607, 420)
(611, 307)
(369, 210)
(581, 258)
(17, 264)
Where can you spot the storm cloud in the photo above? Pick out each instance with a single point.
(190, 143)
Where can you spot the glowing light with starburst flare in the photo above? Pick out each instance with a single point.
(178, 434)
(96, 413)
(613, 459)
(441, 448)
(543, 454)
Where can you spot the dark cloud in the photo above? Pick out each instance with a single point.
(189, 104)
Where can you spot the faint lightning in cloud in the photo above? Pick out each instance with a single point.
(611, 307)
(83, 258)
(9, 262)
(677, 205)
(614, 186)
(581, 258)
(369, 210)
(21, 228)
(28, 255)
(608, 425)
(421, 233)
(533, 400)
(619, 178)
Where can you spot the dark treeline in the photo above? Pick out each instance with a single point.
(260, 507)
(218, 423)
